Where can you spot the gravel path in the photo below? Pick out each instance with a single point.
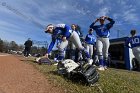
(19, 77)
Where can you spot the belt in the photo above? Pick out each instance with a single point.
(102, 37)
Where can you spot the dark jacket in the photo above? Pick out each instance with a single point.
(28, 43)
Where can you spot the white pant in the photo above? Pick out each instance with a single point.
(73, 46)
(136, 52)
(102, 46)
(89, 48)
(74, 38)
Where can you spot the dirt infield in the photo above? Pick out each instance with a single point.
(19, 77)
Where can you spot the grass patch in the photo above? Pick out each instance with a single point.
(111, 81)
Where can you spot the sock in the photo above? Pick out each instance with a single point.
(86, 53)
(60, 58)
(101, 62)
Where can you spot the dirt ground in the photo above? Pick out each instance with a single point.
(19, 77)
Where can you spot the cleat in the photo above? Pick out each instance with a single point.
(90, 61)
(101, 68)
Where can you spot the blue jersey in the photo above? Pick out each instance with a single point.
(90, 39)
(103, 30)
(61, 30)
(133, 41)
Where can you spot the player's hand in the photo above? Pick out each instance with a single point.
(106, 17)
(97, 20)
(46, 55)
(64, 39)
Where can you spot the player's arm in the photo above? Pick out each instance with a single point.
(31, 43)
(86, 39)
(79, 31)
(94, 40)
(25, 43)
(127, 41)
(111, 22)
(93, 24)
(50, 46)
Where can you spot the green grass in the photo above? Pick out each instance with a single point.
(111, 81)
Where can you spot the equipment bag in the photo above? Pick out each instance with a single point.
(86, 73)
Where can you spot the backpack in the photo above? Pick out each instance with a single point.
(84, 73)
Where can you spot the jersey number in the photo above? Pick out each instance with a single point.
(135, 41)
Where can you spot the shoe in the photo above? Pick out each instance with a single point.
(101, 68)
(105, 67)
(90, 61)
(55, 64)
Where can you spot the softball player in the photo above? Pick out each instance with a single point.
(102, 44)
(73, 52)
(90, 42)
(65, 33)
(134, 42)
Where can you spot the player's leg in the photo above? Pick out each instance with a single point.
(87, 47)
(27, 51)
(106, 45)
(76, 40)
(24, 52)
(91, 50)
(99, 46)
(55, 58)
(61, 49)
(80, 57)
(136, 52)
(73, 51)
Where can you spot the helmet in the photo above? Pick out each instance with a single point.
(49, 26)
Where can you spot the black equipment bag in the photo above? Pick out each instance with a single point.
(90, 73)
(84, 73)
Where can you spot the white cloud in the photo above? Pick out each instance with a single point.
(103, 11)
(131, 16)
(10, 27)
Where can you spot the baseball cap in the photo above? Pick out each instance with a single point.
(48, 26)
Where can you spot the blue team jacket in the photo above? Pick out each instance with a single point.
(103, 30)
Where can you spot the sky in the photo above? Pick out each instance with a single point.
(23, 19)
